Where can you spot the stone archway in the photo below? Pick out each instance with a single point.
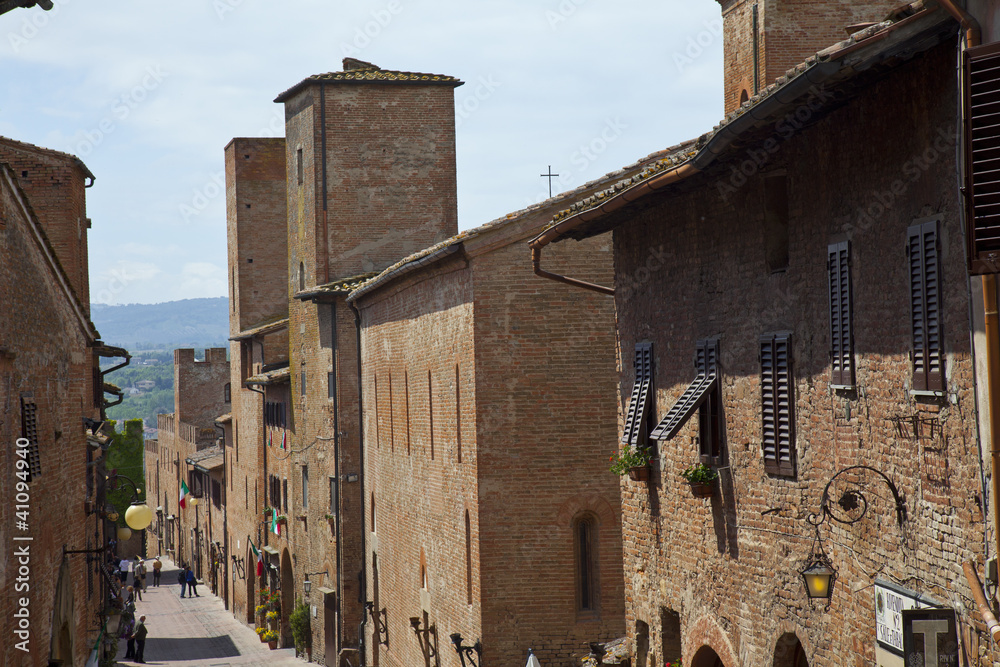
(788, 652)
(61, 646)
(287, 598)
(706, 657)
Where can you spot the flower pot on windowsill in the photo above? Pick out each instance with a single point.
(639, 473)
(703, 489)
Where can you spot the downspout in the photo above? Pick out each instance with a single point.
(336, 468)
(263, 397)
(225, 519)
(363, 583)
(973, 33)
(984, 608)
(322, 141)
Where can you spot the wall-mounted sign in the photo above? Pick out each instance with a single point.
(930, 638)
(889, 606)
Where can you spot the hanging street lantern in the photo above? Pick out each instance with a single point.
(819, 576)
(124, 533)
(138, 516)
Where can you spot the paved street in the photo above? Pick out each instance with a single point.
(199, 631)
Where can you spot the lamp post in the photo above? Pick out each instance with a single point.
(468, 651)
(819, 574)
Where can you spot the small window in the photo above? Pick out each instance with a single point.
(29, 435)
(227, 393)
(331, 385)
(333, 496)
(841, 317)
(284, 494)
(423, 569)
(302, 383)
(777, 395)
(305, 487)
(299, 166)
(925, 310)
(302, 276)
(776, 222)
(585, 547)
(217, 494)
(246, 360)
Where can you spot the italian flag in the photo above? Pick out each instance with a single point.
(260, 559)
(275, 526)
(284, 439)
(184, 494)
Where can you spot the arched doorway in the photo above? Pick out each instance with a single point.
(287, 598)
(706, 657)
(251, 570)
(61, 644)
(788, 652)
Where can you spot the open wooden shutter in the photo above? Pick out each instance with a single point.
(29, 431)
(636, 419)
(841, 322)
(925, 306)
(777, 404)
(982, 157)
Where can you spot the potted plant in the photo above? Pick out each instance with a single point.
(634, 462)
(301, 629)
(271, 637)
(702, 479)
(281, 519)
(260, 633)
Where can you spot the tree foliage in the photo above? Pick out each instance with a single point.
(125, 456)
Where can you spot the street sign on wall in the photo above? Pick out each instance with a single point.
(930, 638)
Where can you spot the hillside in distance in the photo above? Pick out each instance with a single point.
(196, 323)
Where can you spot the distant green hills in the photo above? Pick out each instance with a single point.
(196, 323)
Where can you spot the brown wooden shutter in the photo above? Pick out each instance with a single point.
(29, 431)
(982, 157)
(841, 318)
(777, 404)
(925, 306)
(637, 417)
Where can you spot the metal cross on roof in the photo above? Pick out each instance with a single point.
(549, 176)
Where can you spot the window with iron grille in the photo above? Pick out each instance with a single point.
(29, 431)
(702, 395)
(637, 417)
(777, 395)
(841, 317)
(925, 306)
(982, 157)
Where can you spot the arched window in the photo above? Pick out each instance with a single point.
(585, 548)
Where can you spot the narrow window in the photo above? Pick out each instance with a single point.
(299, 166)
(776, 222)
(841, 320)
(468, 559)
(331, 385)
(458, 416)
(227, 393)
(777, 404)
(284, 494)
(302, 276)
(302, 383)
(406, 396)
(430, 411)
(378, 430)
(232, 289)
(392, 421)
(584, 537)
(29, 432)
(246, 360)
(373, 511)
(925, 306)
(305, 487)
(333, 496)
(423, 569)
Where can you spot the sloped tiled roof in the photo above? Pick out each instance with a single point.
(359, 71)
(261, 329)
(339, 286)
(270, 377)
(41, 150)
(919, 25)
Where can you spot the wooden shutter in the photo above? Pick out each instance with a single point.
(982, 157)
(701, 388)
(637, 417)
(841, 317)
(777, 404)
(29, 431)
(925, 306)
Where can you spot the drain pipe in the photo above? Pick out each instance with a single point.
(984, 608)
(973, 33)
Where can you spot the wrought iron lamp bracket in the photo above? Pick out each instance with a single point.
(852, 500)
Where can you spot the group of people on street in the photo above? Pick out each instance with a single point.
(135, 633)
(186, 578)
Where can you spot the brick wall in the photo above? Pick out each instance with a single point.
(729, 566)
(44, 352)
(199, 395)
(788, 32)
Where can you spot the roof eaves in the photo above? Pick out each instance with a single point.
(262, 329)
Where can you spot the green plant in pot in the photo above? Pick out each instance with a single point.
(301, 629)
(701, 478)
(627, 459)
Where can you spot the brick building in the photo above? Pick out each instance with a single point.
(52, 392)
(487, 428)
(792, 288)
(190, 447)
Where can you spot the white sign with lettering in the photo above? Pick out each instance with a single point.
(889, 606)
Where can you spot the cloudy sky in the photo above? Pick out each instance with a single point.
(149, 93)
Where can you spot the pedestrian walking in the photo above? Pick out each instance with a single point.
(157, 566)
(140, 640)
(140, 570)
(182, 579)
(192, 583)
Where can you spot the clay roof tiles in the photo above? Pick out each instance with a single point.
(359, 71)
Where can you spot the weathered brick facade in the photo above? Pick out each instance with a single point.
(51, 599)
(741, 251)
(486, 442)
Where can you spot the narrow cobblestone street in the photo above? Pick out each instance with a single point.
(198, 631)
